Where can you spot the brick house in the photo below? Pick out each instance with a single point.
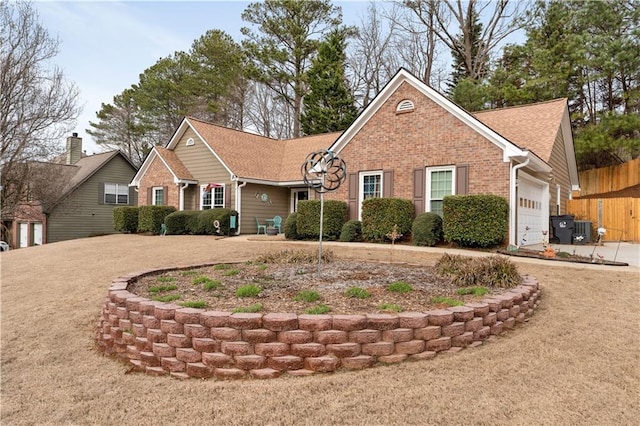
(410, 142)
(86, 188)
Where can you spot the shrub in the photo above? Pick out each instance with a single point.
(351, 231)
(400, 287)
(206, 219)
(291, 227)
(182, 222)
(308, 219)
(249, 290)
(151, 218)
(307, 296)
(248, 309)
(475, 220)
(379, 215)
(357, 293)
(493, 271)
(125, 219)
(390, 307)
(194, 304)
(317, 310)
(427, 230)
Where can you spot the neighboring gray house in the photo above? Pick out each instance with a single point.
(91, 186)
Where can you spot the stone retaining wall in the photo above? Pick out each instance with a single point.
(162, 338)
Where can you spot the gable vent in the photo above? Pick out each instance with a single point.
(405, 106)
(190, 142)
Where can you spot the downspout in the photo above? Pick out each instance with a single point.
(239, 202)
(513, 202)
(181, 203)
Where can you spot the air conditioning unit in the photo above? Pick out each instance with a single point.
(581, 232)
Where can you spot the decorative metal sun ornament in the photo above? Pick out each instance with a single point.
(323, 171)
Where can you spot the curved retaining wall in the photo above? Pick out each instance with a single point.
(162, 338)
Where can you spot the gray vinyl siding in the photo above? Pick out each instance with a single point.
(252, 205)
(204, 167)
(81, 214)
(558, 162)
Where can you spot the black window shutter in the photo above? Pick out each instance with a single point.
(149, 196)
(101, 193)
(132, 196)
(387, 183)
(165, 195)
(462, 179)
(418, 191)
(352, 196)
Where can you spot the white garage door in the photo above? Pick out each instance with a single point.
(533, 210)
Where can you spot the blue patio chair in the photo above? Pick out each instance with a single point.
(277, 223)
(264, 227)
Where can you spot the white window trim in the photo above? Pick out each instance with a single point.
(294, 197)
(153, 194)
(428, 183)
(361, 176)
(213, 206)
(117, 185)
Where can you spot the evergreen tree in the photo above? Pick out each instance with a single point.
(329, 105)
(467, 61)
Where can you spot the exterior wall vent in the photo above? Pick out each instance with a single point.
(190, 142)
(405, 106)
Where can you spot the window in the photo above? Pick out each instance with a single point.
(440, 183)
(116, 193)
(211, 196)
(157, 196)
(370, 187)
(298, 195)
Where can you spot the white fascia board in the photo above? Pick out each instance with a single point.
(535, 162)
(289, 183)
(143, 169)
(567, 137)
(509, 149)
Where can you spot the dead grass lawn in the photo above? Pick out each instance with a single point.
(576, 361)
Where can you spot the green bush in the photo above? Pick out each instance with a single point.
(475, 220)
(379, 215)
(351, 231)
(291, 227)
(125, 219)
(206, 218)
(182, 222)
(151, 218)
(308, 219)
(427, 230)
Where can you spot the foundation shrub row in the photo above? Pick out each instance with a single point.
(162, 338)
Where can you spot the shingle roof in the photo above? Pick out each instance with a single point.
(533, 127)
(174, 163)
(257, 157)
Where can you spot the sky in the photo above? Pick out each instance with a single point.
(106, 45)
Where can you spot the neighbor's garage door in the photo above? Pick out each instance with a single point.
(533, 209)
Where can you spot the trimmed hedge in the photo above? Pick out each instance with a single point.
(351, 231)
(125, 219)
(151, 218)
(182, 222)
(475, 220)
(379, 215)
(291, 227)
(200, 222)
(427, 229)
(308, 219)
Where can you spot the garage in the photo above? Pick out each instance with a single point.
(532, 209)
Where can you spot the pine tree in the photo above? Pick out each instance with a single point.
(329, 105)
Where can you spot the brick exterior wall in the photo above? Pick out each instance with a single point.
(159, 175)
(165, 339)
(428, 136)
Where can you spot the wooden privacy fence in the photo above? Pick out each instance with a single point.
(609, 179)
(616, 215)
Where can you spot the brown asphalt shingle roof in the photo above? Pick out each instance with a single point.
(174, 163)
(258, 157)
(533, 127)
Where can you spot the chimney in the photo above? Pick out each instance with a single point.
(74, 148)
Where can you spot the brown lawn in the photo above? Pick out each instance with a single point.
(577, 361)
